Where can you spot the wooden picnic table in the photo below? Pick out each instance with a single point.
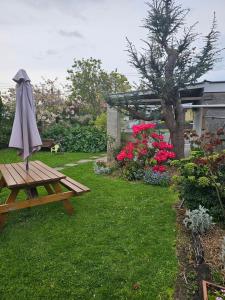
(15, 177)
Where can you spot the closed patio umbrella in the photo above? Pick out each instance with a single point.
(25, 135)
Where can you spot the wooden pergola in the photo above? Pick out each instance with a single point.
(195, 97)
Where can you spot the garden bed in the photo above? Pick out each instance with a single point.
(189, 280)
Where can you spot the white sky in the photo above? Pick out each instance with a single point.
(44, 36)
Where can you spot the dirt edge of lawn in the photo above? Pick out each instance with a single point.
(188, 283)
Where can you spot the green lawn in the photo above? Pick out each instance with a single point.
(53, 160)
(121, 234)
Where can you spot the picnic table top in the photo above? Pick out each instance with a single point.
(15, 174)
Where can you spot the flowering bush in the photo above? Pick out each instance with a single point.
(148, 150)
(156, 178)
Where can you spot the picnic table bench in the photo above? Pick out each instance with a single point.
(15, 177)
(48, 143)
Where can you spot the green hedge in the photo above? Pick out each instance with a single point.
(5, 133)
(77, 138)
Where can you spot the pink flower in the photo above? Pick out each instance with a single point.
(158, 168)
(162, 145)
(121, 156)
(163, 155)
(156, 136)
(142, 127)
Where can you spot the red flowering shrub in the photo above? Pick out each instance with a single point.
(148, 150)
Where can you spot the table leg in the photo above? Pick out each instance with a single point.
(11, 198)
(31, 192)
(49, 189)
(66, 203)
(2, 183)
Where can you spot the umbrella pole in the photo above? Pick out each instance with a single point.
(32, 191)
(27, 164)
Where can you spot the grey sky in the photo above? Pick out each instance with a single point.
(43, 36)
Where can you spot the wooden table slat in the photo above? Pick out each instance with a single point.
(10, 181)
(79, 185)
(42, 175)
(45, 171)
(53, 171)
(34, 175)
(26, 176)
(71, 186)
(16, 176)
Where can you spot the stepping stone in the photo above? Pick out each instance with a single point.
(94, 156)
(104, 158)
(59, 168)
(82, 161)
(70, 165)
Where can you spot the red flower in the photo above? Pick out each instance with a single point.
(158, 168)
(163, 155)
(121, 155)
(157, 136)
(142, 127)
(162, 145)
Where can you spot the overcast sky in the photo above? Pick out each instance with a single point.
(44, 36)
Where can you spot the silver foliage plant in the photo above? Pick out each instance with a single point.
(101, 168)
(198, 220)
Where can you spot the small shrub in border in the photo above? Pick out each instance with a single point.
(133, 171)
(198, 220)
(156, 178)
(100, 167)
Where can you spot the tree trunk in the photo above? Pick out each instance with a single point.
(177, 139)
(174, 118)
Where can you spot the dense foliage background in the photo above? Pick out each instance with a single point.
(77, 138)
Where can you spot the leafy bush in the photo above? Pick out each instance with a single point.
(156, 178)
(197, 184)
(5, 132)
(133, 171)
(101, 121)
(100, 167)
(77, 138)
(198, 220)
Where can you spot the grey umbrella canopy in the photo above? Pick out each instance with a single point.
(25, 135)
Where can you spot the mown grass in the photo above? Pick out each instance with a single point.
(53, 160)
(121, 236)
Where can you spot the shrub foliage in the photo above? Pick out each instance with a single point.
(77, 138)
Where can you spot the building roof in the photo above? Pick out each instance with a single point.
(211, 86)
(192, 93)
